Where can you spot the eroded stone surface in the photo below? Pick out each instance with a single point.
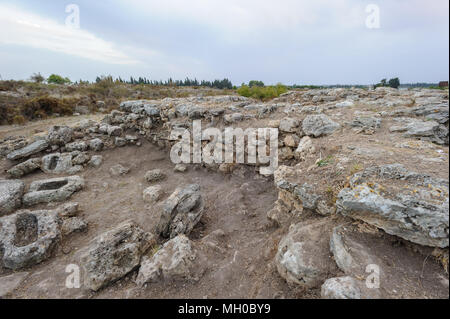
(410, 205)
(175, 261)
(11, 192)
(181, 212)
(113, 254)
(28, 238)
(52, 190)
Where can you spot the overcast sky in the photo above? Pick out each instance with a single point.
(289, 41)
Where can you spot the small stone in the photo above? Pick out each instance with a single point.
(118, 170)
(96, 161)
(155, 175)
(96, 144)
(180, 168)
(341, 288)
(152, 194)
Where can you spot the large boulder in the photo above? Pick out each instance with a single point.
(27, 238)
(303, 254)
(319, 125)
(177, 260)
(114, 254)
(52, 190)
(31, 149)
(11, 192)
(181, 212)
(410, 205)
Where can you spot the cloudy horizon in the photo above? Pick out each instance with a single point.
(288, 41)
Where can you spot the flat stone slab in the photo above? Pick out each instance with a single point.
(28, 150)
(410, 205)
(25, 168)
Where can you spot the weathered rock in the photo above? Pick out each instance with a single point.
(177, 260)
(180, 168)
(289, 125)
(28, 150)
(341, 288)
(285, 153)
(366, 124)
(114, 254)
(73, 225)
(303, 254)
(52, 190)
(345, 104)
(114, 130)
(25, 168)
(291, 140)
(181, 212)
(319, 125)
(96, 161)
(118, 170)
(233, 118)
(77, 146)
(428, 130)
(96, 144)
(304, 149)
(379, 197)
(11, 192)
(67, 210)
(27, 238)
(80, 158)
(59, 164)
(155, 175)
(152, 194)
(59, 135)
(120, 142)
(307, 196)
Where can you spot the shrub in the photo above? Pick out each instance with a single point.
(262, 93)
(394, 83)
(37, 78)
(57, 79)
(44, 106)
(18, 119)
(255, 83)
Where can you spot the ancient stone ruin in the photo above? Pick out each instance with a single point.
(361, 190)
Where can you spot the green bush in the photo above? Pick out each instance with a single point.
(255, 83)
(262, 93)
(57, 79)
